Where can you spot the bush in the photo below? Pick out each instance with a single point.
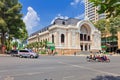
(42, 52)
(55, 52)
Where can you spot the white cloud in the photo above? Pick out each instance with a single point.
(81, 16)
(75, 2)
(59, 16)
(31, 19)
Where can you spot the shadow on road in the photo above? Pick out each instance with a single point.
(48, 79)
(106, 77)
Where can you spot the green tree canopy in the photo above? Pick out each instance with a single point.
(103, 26)
(11, 22)
(109, 26)
(110, 7)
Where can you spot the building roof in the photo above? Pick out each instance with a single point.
(58, 21)
(69, 21)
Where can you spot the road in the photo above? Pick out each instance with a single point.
(58, 68)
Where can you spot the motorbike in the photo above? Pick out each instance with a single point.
(97, 59)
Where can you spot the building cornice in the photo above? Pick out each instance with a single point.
(43, 33)
(62, 27)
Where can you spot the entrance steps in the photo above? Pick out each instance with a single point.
(83, 53)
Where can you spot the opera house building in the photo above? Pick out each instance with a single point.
(70, 36)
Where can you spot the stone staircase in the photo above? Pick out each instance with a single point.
(83, 53)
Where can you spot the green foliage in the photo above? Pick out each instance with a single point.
(37, 45)
(111, 25)
(2, 22)
(55, 52)
(104, 26)
(15, 43)
(42, 52)
(110, 7)
(115, 22)
(11, 22)
(8, 45)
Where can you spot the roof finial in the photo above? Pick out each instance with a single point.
(86, 18)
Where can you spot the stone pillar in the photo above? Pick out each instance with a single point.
(77, 40)
(118, 35)
(66, 38)
(69, 39)
(83, 47)
(57, 38)
(88, 47)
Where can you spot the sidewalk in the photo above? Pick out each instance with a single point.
(4, 55)
(66, 55)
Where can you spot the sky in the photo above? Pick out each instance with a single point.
(38, 14)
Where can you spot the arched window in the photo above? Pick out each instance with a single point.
(88, 38)
(63, 23)
(81, 47)
(81, 37)
(85, 37)
(52, 38)
(62, 38)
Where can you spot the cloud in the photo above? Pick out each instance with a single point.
(76, 2)
(81, 16)
(59, 16)
(31, 19)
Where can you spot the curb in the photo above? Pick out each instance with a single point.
(4, 55)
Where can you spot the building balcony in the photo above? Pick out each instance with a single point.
(82, 42)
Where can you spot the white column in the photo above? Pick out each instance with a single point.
(83, 47)
(88, 47)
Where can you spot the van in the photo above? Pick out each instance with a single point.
(27, 53)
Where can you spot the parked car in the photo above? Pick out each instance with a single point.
(13, 52)
(27, 53)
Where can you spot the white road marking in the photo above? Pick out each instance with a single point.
(22, 69)
(9, 78)
(114, 74)
(3, 71)
(28, 74)
(67, 77)
(83, 67)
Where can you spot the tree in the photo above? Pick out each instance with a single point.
(36, 45)
(109, 27)
(110, 7)
(114, 27)
(15, 44)
(103, 26)
(11, 22)
(115, 22)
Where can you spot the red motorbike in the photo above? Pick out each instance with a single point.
(103, 59)
(97, 59)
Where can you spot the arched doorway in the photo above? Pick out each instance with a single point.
(62, 38)
(85, 37)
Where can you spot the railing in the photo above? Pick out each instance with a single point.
(85, 41)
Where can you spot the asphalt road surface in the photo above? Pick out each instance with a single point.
(58, 68)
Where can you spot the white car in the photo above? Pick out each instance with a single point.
(27, 53)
